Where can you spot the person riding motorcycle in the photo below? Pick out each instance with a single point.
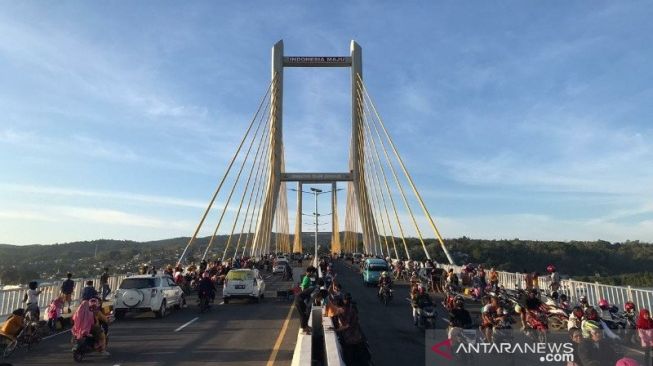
(575, 318)
(584, 303)
(563, 302)
(534, 307)
(84, 325)
(384, 280)
(459, 316)
(11, 327)
(100, 328)
(414, 280)
(420, 300)
(205, 287)
(592, 315)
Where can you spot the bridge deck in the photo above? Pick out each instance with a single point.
(238, 333)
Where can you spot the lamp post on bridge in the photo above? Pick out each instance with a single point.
(316, 192)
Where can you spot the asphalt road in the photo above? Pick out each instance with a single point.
(238, 333)
(392, 337)
(394, 340)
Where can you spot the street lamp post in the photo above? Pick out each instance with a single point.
(316, 192)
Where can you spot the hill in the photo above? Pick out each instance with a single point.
(628, 263)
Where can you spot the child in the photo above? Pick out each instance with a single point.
(54, 313)
(32, 300)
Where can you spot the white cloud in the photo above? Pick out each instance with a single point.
(124, 196)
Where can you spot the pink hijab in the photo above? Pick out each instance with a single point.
(83, 320)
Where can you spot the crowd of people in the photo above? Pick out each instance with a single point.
(327, 291)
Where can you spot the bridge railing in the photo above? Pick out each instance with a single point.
(12, 299)
(616, 295)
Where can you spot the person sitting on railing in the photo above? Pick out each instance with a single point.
(494, 279)
(89, 291)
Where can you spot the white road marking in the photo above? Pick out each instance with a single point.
(187, 324)
(222, 303)
(54, 335)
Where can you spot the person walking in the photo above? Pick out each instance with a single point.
(67, 288)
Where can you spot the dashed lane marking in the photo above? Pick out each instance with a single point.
(187, 324)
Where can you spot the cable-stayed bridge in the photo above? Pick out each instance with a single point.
(383, 209)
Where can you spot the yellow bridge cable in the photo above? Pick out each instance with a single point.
(363, 186)
(387, 186)
(215, 194)
(257, 201)
(410, 179)
(255, 187)
(403, 195)
(233, 188)
(255, 164)
(371, 172)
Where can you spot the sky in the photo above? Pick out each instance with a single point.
(517, 119)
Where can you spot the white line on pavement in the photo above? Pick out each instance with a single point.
(54, 335)
(187, 324)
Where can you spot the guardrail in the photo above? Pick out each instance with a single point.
(12, 299)
(616, 295)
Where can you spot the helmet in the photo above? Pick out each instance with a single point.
(591, 325)
(604, 304)
(518, 309)
(93, 304)
(591, 314)
(384, 274)
(627, 361)
(550, 268)
(583, 299)
(629, 306)
(578, 312)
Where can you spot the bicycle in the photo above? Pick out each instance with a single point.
(28, 336)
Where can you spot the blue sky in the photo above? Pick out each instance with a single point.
(517, 119)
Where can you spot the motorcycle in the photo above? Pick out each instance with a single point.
(469, 335)
(204, 299)
(537, 327)
(86, 345)
(386, 295)
(426, 316)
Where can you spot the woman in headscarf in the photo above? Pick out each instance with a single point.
(645, 330)
(83, 320)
